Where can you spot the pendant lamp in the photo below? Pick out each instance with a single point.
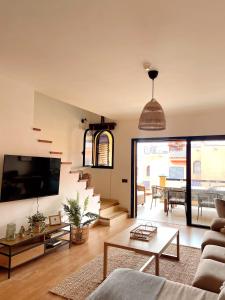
(152, 116)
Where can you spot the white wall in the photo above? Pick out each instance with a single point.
(19, 112)
(60, 122)
(205, 123)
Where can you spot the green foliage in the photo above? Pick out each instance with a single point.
(73, 211)
(36, 218)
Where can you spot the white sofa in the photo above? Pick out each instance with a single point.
(127, 284)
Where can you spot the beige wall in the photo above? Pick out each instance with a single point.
(60, 122)
(206, 123)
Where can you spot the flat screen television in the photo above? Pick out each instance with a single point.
(27, 177)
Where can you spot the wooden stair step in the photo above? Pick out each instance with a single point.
(106, 203)
(36, 129)
(96, 195)
(113, 218)
(114, 215)
(44, 141)
(66, 162)
(56, 152)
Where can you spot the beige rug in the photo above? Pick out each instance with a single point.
(80, 284)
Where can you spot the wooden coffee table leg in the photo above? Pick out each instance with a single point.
(147, 263)
(105, 261)
(157, 265)
(178, 246)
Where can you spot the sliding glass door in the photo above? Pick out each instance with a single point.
(207, 179)
(194, 167)
(161, 177)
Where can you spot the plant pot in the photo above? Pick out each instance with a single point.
(80, 234)
(38, 227)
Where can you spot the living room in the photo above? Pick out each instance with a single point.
(65, 65)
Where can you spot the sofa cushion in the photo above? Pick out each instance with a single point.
(222, 292)
(214, 252)
(217, 224)
(124, 284)
(213, 238)
(178, 291)
(210, 275)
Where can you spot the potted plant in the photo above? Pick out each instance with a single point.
(37, 222)
(80, 219)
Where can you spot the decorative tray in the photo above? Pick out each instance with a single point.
(143, 232)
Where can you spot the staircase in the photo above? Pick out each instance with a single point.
(70, 181)
(111, 213)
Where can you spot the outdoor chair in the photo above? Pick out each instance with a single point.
(176, 196)
(157, 193)
(205, 200)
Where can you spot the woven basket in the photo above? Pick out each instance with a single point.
(80, 235)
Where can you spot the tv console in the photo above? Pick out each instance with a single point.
(31, 246)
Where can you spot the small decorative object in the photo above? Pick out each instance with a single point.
(80, 220)
(152, 116)
(11, 232)
(143, 232)
(55, 219)
(22, 232)
(37, 222)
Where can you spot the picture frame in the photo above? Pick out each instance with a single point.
(55, 220)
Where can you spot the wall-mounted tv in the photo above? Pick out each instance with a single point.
(27, 177)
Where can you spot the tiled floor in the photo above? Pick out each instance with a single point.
(177, 216)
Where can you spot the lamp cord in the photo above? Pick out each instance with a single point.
(152, 88)
(37, 205)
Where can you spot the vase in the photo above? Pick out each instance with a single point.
(11, 232)
(80, 234)
(38, 227)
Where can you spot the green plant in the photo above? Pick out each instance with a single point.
(36, 218)
(76, 216)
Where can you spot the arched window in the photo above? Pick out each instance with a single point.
(197, 167)
(148, 171)
(99, 145)
(104, 149)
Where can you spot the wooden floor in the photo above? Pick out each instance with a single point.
(32, 280)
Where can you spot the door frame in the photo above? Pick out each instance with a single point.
(188, 140)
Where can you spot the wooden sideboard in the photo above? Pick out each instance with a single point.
(33, 245)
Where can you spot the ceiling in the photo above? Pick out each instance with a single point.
(91, 53)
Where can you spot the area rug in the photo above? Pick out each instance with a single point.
(80, 284)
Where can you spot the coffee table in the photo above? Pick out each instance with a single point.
(154, 248)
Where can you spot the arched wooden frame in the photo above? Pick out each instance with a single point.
(95, 145)
(96, 148)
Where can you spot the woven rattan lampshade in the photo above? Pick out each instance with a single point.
(152, 116)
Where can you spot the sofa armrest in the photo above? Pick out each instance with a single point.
(217, 224)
